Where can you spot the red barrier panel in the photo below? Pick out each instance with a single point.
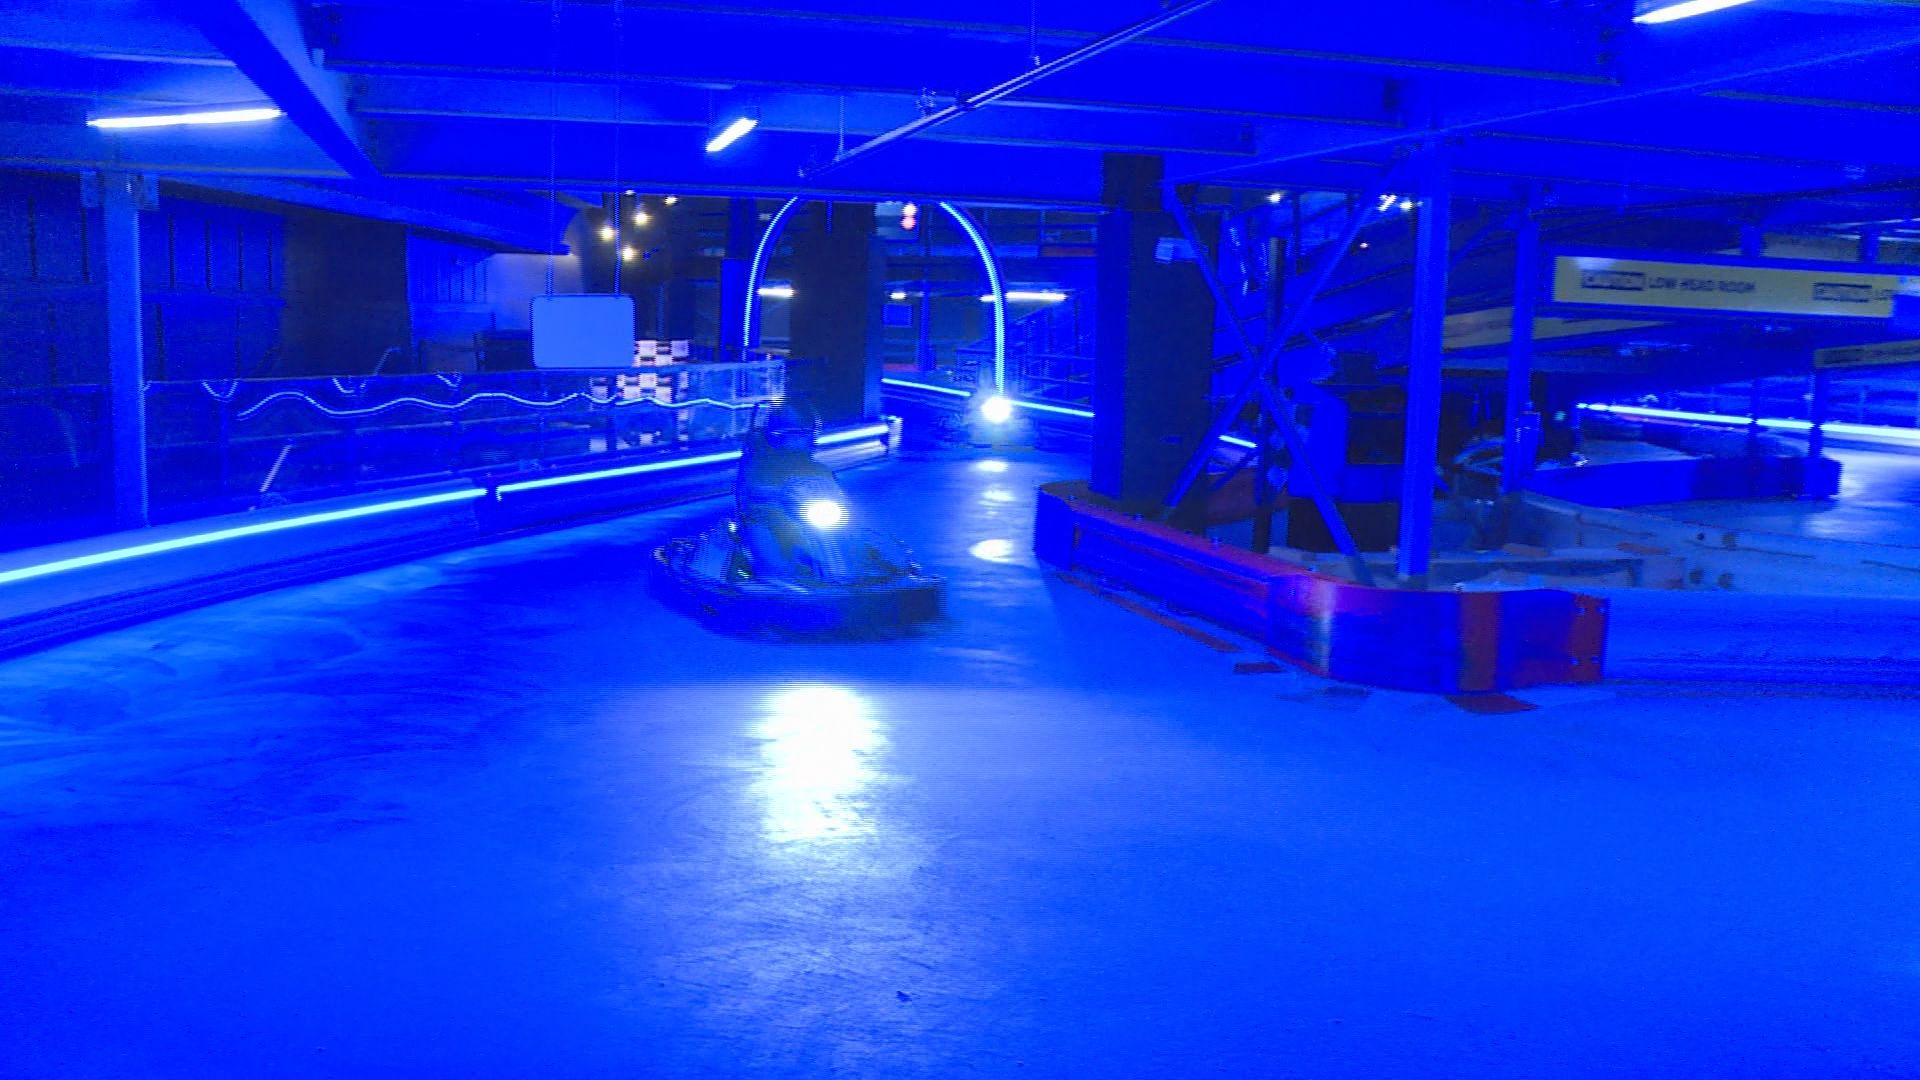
(1441, 642)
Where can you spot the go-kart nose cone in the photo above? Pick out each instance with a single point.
(823, 513)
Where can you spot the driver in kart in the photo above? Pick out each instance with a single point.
(781, 491)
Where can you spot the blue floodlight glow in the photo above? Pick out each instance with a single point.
(871, 431)
(185, 119)
(732, 133)
(1686, 9)
(624, 470)
(904, 384)
(157, 547)
(1033, 296)
(996, 410)
(1063, 410)
(1909, 436)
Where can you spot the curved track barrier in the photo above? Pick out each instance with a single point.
(63, 591)
(1436, 642)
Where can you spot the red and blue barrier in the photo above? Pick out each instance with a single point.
(1438, 641)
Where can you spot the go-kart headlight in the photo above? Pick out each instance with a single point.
(823, 513)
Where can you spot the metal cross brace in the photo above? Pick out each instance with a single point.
(1257, 378)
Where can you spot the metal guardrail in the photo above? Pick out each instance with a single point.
(219, 446)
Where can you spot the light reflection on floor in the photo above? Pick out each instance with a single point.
(820, 743)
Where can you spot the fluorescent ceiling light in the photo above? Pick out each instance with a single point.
(183, 119)
(732, 133)
(1038, 296)
(1686, 9)
(777, 292)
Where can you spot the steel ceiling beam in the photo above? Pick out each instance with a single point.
(1666, 78)
(791, 111)
(265, 40)
(1010, 87)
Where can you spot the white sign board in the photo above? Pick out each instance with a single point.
(594, 330)
(1845, 291)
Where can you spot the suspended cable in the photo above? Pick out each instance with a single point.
(619, 75)
(553, 140)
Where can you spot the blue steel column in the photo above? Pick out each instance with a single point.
(1516, 461)
(1423, 379)
(122, 197)
(1817, 415)
(1153, 343)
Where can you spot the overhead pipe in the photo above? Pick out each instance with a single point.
(1012, 86)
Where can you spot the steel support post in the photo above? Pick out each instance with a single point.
(1817, 415)
(1423, 378)
(1516, 461)
(121, 198)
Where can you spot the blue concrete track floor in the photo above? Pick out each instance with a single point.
(498, 814)
(1878, 503)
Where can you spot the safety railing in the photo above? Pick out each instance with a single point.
(221, 446)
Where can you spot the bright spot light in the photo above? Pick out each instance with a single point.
(1387, 201)
(992, 550)
(629, 253)
(991, 465)
(732, 133)
(1033, 296)
(997, 495)
(996, 410)
(607, 232)
(1684, 10)
(823, 513)
(1364, 245)
(776, 292)
(1406, 204)
(1276, 196)
(671, 199)
(897, 294)
(184, 119)
(641, 217)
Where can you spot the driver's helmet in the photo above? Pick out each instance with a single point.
(791, 425)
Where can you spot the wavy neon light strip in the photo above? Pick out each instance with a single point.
(496, 395)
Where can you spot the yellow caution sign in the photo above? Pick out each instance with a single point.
(1846, 291)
